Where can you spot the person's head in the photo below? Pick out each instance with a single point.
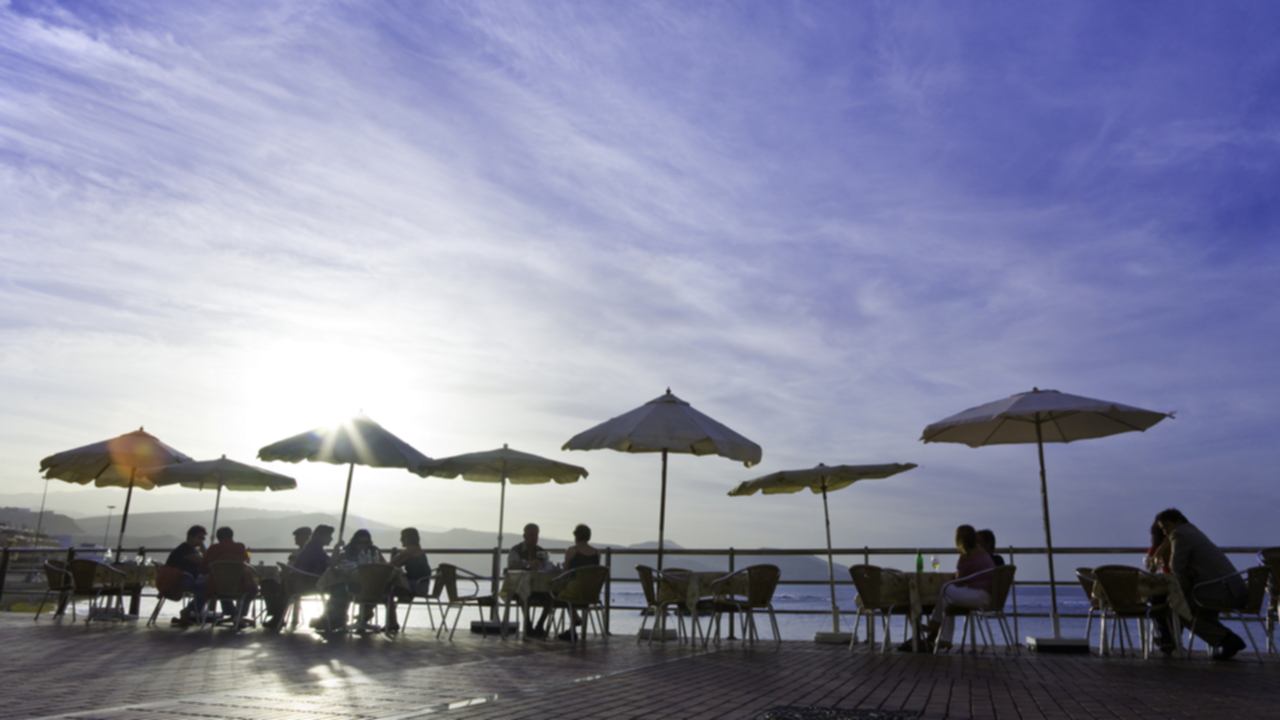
(323, 534)
(302, 535)
(1157, 534)
(196, 534)
(361, 537)
(966, 539)
(410, 536)
(987, 540)
(225, 534)
(582, 533)
(531, 534)
(1170, 519)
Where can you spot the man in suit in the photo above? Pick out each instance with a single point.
(1195, 559)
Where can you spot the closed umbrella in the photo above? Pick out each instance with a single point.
(1041, 416)
(219, 474)
(820, 479)
(113, 463)
(359, 441)
(666, 424)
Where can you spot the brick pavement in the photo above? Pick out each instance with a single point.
(122, 672)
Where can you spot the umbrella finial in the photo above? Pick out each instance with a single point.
(668, 391)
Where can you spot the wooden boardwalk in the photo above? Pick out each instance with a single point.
(109, 671)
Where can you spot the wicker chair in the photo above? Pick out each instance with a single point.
(976, 620)
(1087, 581)
(59, 582)
(298, 585)
(376, 584)
(578, 590)
(746, 591)
(1253, 609)
(84, 577)
(447, 577)
(168, 587)
(1121, 600)
(232, 581)
(1271, 558)
(872, 603)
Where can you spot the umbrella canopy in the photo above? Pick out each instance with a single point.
(820, 479)
(219, 474)
(503, 466)
(113, 463)
(1041, 416)
(666, 424)
(359, 441)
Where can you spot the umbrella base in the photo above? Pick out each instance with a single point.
(659, 635)
(1058, 645)
(494, 627)
(833, 638)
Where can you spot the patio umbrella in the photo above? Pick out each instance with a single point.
(1041, 416)
(502, 466)
(666, 424)
(219, 474)
(359, 441)
(113, 463)
(820, 479)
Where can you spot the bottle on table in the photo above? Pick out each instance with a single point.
(919, 562)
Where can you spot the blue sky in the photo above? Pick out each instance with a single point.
(825, 224)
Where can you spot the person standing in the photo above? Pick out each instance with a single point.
(1194, 559)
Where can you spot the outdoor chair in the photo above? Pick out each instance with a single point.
(231, 581)
(872, 603)
(977, 620)
(84, 578)
(168, 587)
(59, 582)
(421, 595)
(578, 590)
(746, 591)
(376, 583)
(447, 577)
(653, 607)
(1087, 580)
(668, 590)
(297, 586)
(1253, 609)
(1117, 588)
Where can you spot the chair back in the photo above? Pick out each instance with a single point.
(446, 581)
(169, 582)
(762, 580)
(1000, 586)
(56, 574)
(584, 585)
(673, 586)
(1119, 584)
(646, 583)
(867, 581)
(84, 573)
(230, 578)
(1256, 595)
(376, 580)
(297, 582)
(1087, 580)
(1271, 557)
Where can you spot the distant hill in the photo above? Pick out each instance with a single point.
(52, 523)
(260, 528)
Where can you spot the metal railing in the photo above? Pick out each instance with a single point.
(28, 563)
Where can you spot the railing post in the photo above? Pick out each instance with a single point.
(732, 617)
(1014, 590)
(4, 569)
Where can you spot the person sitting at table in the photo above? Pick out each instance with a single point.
(417, 570)
(972, 593)
(1157, 561)
(579, 555)
(187, 558)
(359, 551)
(987, 539)
(1194, 558)
(272, 590)
(528, 555)
(228, 550)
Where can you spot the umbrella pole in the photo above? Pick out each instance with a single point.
(1048, 536)
(124, 517)
(502, 511)
(40, 519)
(346, 499)
(831, 564)
(217, 502)
(662, 510)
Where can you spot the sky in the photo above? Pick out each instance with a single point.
(824, 224)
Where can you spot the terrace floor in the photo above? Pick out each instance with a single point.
(119, 671)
